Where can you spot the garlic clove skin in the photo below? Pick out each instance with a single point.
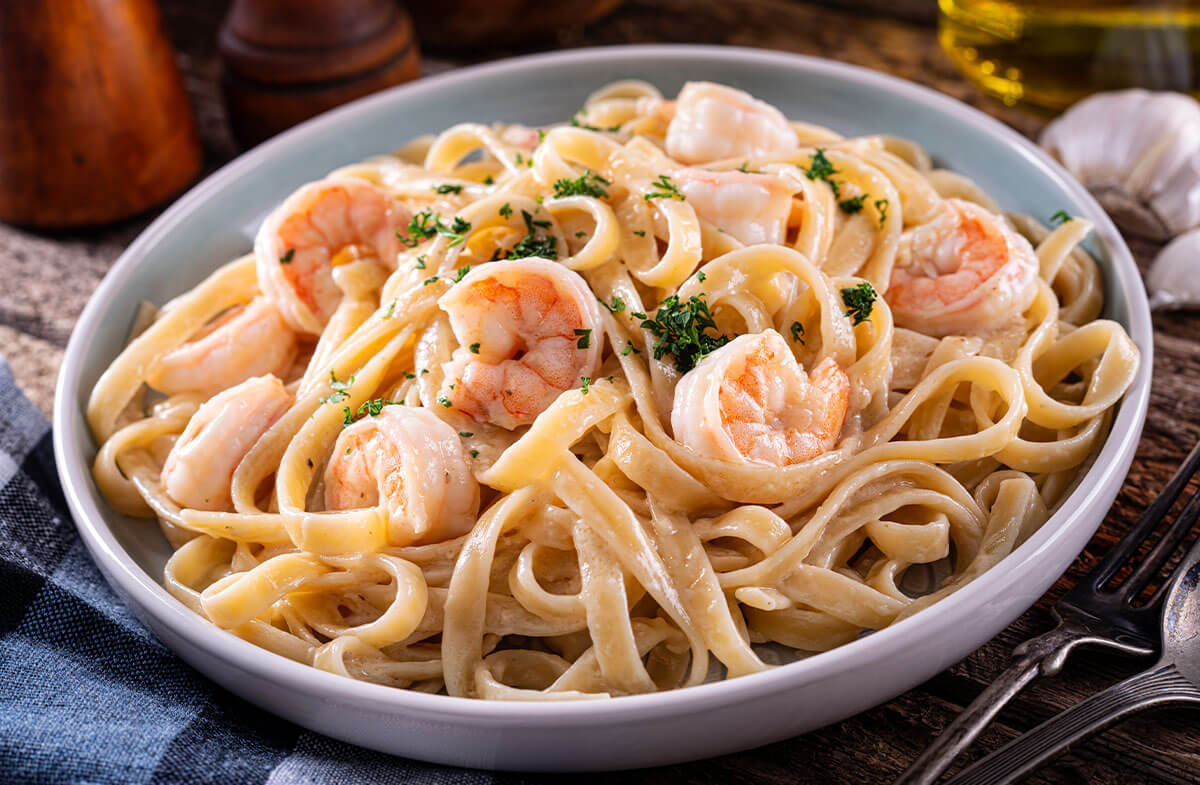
(1174, 278)
(1138, 152)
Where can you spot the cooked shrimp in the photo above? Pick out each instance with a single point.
(753, 208)
(529, 329)
(243, 342)
(962, 273)
(199, 469)
(415, 464)
(299, 243)
(751, 402)
(713, 122)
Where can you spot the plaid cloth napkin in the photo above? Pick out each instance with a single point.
(87, 695)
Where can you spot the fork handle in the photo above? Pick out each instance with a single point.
(1156, 686)
(1037, 655)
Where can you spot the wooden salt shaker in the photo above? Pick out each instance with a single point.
(288, 60)
(94, 122)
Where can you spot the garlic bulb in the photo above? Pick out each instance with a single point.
(1174, 278)
(1138, 152)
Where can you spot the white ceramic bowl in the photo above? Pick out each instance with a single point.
(215, 221)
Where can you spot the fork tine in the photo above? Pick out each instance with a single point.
(1191, 513)
(1146, 523)
(1158, 556)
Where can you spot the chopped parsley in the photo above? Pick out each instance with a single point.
(506, 210)
(427, 223)
(429, 280)
(798, 333)
(461, 273)
(370, 408)
(409, 375)
(444, 401)
(859, 301)
(447, 188)
(587, 381)
(639, 232)
(745, 167)
(615, 306)
(340, 389)
(473, 348)
(474, 453)
(421, 261)
(1060, 218)
(424, 371)
(465, 434)
(489, 180)
(585, 338)
(821, 168)
(587, 184)
(581, 234)
(666, 190)
(630, 349)
(391, 311)
(852, 205)
(287, 257)
(882, 206)
(681, 331)
(534, 243)
(700, 276)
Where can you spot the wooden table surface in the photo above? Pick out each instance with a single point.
(48, 278)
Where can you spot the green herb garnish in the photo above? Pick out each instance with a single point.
(340, 389)
(473, 348)
(448, 188)
(680, 329)
(585, 338)
(859, 301)
(798, 333)
(666, 190)
(852, 205)
(882, 206)
(287, 257)
(587, 184)
(1060, 218)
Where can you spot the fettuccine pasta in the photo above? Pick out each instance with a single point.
(673, 392)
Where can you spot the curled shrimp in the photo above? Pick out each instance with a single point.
(529, 329)
(751, 207)
(199, 469)
(243, 342)
(713, 123)
(415, 464)
(962, 273)
(318, 226)
(751, 402)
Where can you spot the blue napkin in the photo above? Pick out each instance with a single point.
(88, 695)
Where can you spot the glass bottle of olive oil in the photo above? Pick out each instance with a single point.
(1051, 54)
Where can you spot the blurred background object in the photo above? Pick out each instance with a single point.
(285, 61)
(456, 25)
(94, 121)
(1050, 54)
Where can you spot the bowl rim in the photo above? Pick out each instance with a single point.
(148, 594)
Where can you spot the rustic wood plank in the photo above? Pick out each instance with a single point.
(48, 279)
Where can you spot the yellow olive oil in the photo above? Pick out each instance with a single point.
(1051, 54)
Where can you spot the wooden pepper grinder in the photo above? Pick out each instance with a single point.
(287, 60)
(94, 122)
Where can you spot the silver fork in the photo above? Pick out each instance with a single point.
(1174, 679)
(1091, 612)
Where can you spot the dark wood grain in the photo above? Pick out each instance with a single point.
(873, 747)
(94, 122)
(288, 60)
